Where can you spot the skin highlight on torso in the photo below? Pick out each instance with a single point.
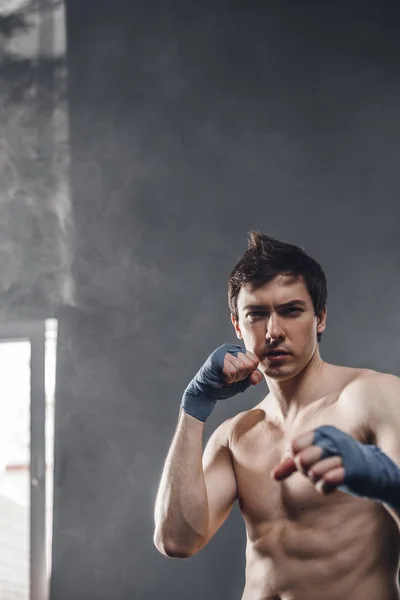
(301, 544)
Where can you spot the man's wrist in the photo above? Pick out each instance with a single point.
(199, 407)
(369, 472)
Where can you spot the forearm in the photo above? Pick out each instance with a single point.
(181, 509)
(368, 471)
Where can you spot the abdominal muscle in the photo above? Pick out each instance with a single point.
(350, 553)
(302, 545)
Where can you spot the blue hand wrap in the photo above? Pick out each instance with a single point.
(202, 393)
(369, 473)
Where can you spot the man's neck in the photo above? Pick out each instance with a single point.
(288, 397)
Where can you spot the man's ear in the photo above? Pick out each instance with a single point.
(235, 323)
(321, 320)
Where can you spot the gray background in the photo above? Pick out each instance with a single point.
(192, 123)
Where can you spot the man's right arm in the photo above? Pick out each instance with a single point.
(196, 492)
(195, 495)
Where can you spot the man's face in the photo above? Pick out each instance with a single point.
(279, 317)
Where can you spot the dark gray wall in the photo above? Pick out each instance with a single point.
(192, 123)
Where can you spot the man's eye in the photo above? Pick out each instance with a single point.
(293, 311)
(253, 314)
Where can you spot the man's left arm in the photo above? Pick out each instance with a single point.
(385, 424)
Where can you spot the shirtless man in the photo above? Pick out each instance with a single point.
(314, 466)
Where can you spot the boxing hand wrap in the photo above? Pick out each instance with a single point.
(205, 389)
(369, 472)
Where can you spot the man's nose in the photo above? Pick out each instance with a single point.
(274, 329)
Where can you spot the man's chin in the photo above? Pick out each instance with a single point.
(279, 376)
(279, 373)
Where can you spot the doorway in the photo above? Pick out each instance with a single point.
(27, 398)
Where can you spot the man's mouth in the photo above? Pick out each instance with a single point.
(276, 354)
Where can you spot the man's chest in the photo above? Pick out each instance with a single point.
(261, 448)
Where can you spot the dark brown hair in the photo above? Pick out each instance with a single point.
(265, 259)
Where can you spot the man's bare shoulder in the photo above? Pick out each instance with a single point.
(229, 430)
(367, 379)
(244, 422)
(372, 390)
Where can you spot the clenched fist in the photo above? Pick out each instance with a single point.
(228, 371)
(240, 367)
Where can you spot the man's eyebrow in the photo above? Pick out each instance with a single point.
(293, 303)
(289, 304)
(254, 307)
